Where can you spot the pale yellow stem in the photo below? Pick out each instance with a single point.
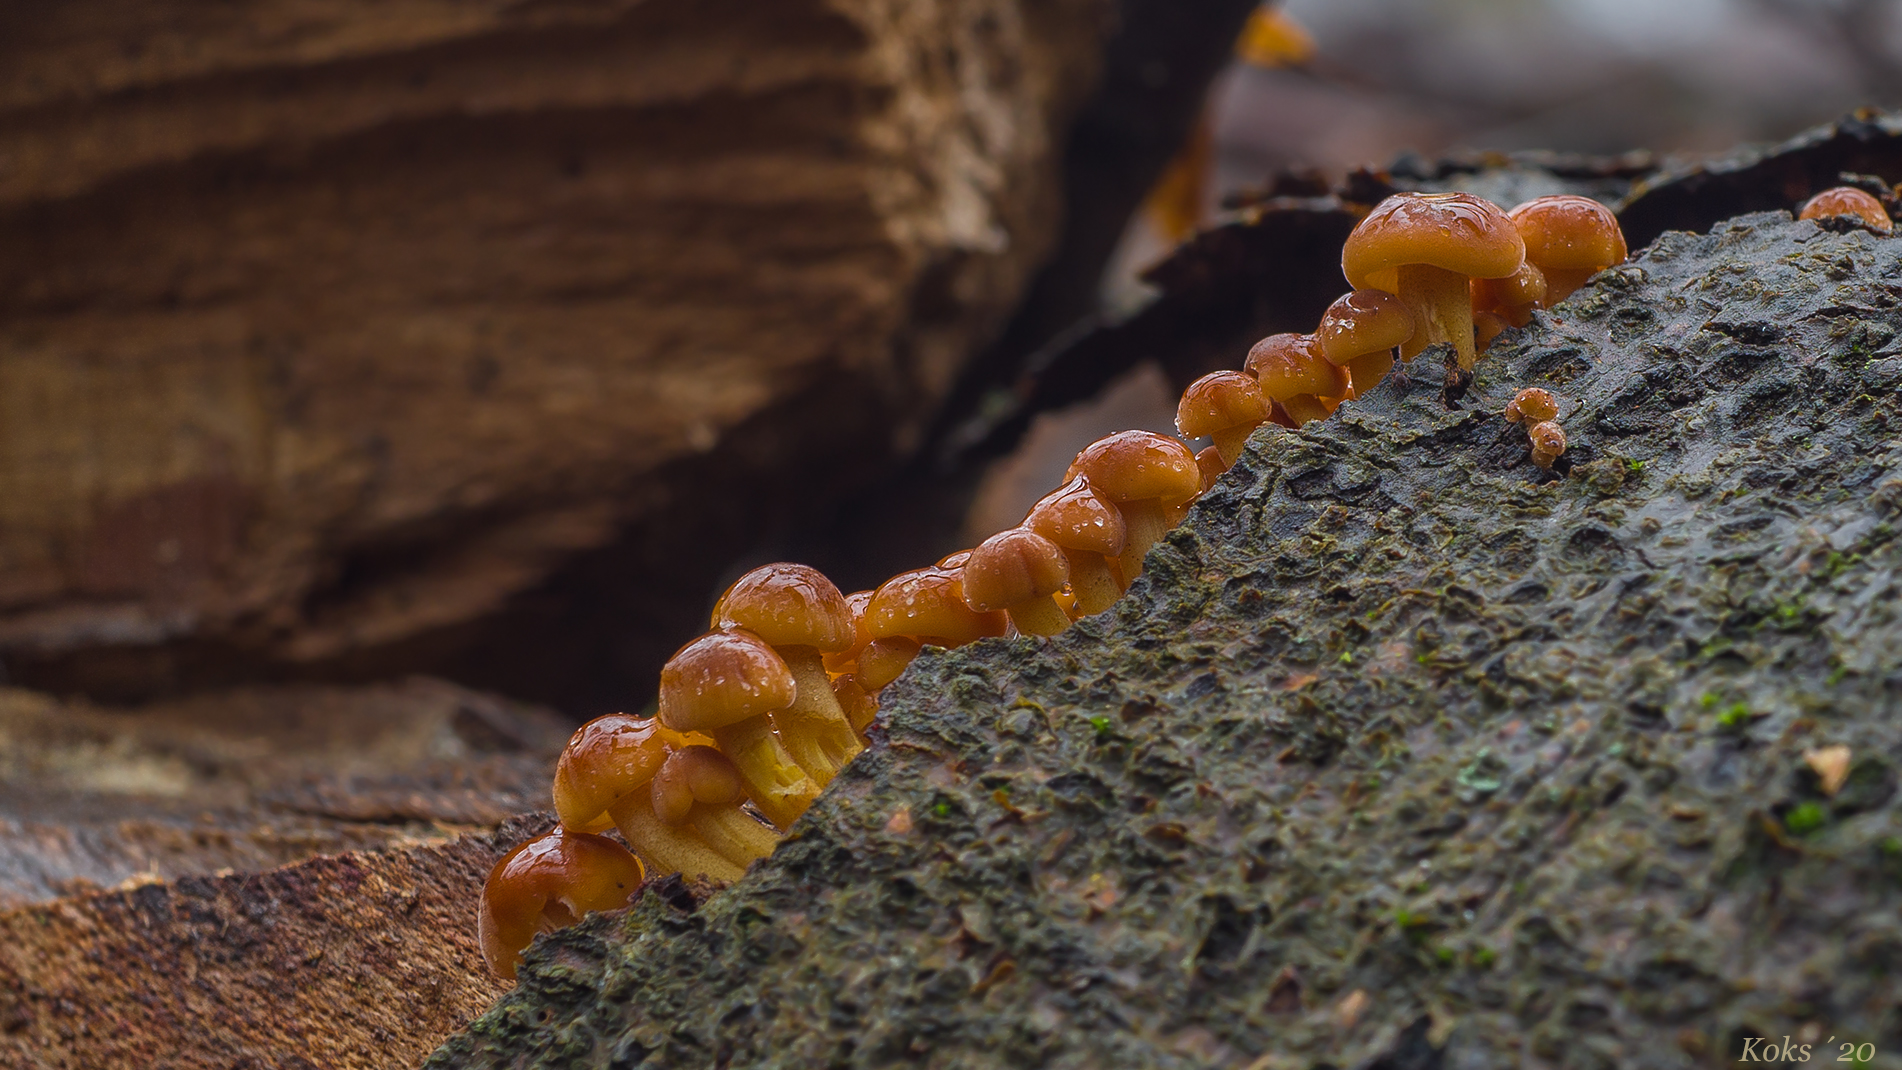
(814, 729)
(1095, 586)
(1229, 442)
(1039, 616)
(732, 832)
(670, 848)
(774, 782)
(1442, 304)
(1147, 523)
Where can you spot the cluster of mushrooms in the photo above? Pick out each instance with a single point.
(759, 714)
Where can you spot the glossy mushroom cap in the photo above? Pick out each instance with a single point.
(544, 884)
(1219, 401)
(1514, 297)
(927, 604)
(1456, 232)
(1131, 466)
(604, 760)
(1548, 443)
(1212, 466)
(1075, 517)
(843, 661)
(1362, 322)
(1532, 406)
(788, 605)
(1570, 238)
(1011, 568)
(1293, 372)
(1848, 201)
(695, 774)
(883, 661)
(722, 678)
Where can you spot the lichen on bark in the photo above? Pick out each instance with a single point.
(1402, 753)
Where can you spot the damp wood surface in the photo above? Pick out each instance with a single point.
(1403, 753)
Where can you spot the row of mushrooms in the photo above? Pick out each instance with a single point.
(760, 713)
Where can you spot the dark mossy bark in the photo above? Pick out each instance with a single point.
(1403, 754)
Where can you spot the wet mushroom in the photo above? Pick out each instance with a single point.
(1019, 572)
(1147, 477)
(883, 661)
(1209, 460)
(1512, 298)
(1531, 406)
(1570, 238)
(800, 614)
(726, 685)
(549, 883)
(1422, 248)
(1548, 443)
(1359, 332)
(1293, 372)
(612, 766)
(1091, 533)
(1225, 406)
(927, 604)
(845, 662)
(1848, 201)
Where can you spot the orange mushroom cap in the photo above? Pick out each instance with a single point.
(1075, 517)
(1218, 401)
(1013, 567)
(1848, 201)
(1548, 443)
(1456, 232)
(788, 605)
(1131, 466)
(1533, 405)
(695, 774)
(1291, 366)
(1361, 322)
(546, 883)
(841, 661)
(605, 760)
(928, 604)
(722, 678)
(883, 661)
(1212, 466)
(1569, 233)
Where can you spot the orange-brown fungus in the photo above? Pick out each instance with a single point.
(1359, 332)
(547, 883)
(1225, 406)
(927, 604)
(1486, 327)
(843, 662)
(1570, 239)
(1423, 247)
(726, 684)
(883, 661)
(1293, 372)
(1848, 201)
(1091, 532)
(859, 706)
(1018, 571)
(800, 614)
(1548, 443)
(1209, 460)
(1147, 476)
(689, 820)
(1532, 406)
(1512, 298)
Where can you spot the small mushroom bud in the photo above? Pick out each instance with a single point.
(1486, 327)
(799, 613)
(1146, 476)
(1570, 238)
(1090, 532)
(694, 804)
(1212, 466)
(1226, 406)
(1359, 333)
(1531, 406)
(1548, 443)
(883, 660)
(1422, 248)
(548, 883)
(1293, 373)
(1848, 201)
(1018, 571)
(726, 684)
(927, 604)
(1512, 298)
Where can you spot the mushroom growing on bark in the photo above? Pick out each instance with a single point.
(546, 884)
(1359, 332)
(1146, 476)
(1090, 532)
(927, 604)
(726, 685)
(1293, 372)
(1423, 248)
(1225, 406)
(1532, 406)
(1018, 571)
(1512, 298)
(800, 614)
(618, 765)
(1548, 443)
(1848, 201)
(1570, 239)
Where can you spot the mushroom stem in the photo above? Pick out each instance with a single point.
(672, 848)
(1039, 616)
(1369, 369)
(1305, 407)
(1561, 282)
(1095, 586)
(1228, 444)
(732, 832)
(1442, 304)
(814, 728)
(774, 782)
(1148, 522)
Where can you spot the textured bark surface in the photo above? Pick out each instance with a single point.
(1402, 753)
(326, 328)
(94, 798)
(360, 961)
